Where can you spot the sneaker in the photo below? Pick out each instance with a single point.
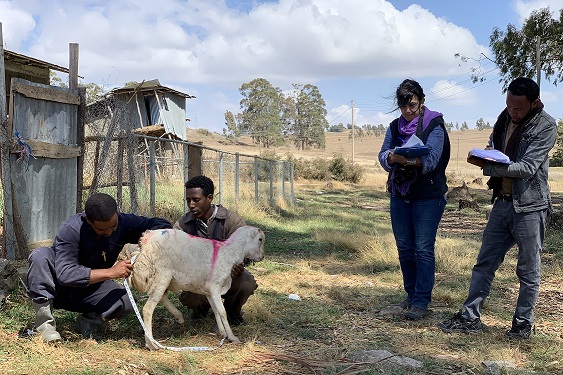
(416, 313)
(458, 323)
(406, 304)
(90, 324)
(200, 313)
(520, 331)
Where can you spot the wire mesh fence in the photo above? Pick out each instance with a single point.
(146, 173)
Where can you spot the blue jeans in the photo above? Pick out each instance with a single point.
(505, 228)
(415, 224)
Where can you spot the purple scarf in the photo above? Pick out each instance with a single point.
(406, 129)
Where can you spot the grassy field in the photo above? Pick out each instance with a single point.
(334, 249)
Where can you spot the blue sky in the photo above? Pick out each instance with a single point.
(356, 50)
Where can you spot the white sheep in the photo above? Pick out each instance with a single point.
(172, 260)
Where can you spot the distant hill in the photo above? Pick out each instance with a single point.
(365, 149)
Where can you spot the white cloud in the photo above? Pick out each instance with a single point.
(16, 25)
(525, 7)
(204, 42)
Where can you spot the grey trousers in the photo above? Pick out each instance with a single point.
(107, 298)
(504, 229)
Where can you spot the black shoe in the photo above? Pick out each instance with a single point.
(458, 323)
(406, 304)
(90, 324)
(236, 321)
(200, 314)
(416, 313)
(519, 331)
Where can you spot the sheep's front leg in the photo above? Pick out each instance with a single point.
(155, 295)
(221, 316)
(170, 307)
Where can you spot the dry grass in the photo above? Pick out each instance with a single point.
(336, 251)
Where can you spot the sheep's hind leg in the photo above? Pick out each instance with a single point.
(170, 307)
(221, 317)
(155, 296)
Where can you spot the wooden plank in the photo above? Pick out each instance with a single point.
(80, 131)
(45, 93)
(48, 150)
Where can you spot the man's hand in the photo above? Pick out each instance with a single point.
(237, 270)
(122, 269)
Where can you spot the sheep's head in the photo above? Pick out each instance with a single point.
(255, 244)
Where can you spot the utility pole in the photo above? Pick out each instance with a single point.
(538, 62)
(352, 131)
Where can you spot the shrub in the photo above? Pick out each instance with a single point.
(344, 170)
(322, 169)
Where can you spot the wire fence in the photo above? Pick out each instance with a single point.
(147, 173)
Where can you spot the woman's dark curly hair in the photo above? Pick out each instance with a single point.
(408, 89)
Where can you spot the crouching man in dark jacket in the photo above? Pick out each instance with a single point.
(77, 272)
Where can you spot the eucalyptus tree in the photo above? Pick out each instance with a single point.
(310, 121)
(262, 107)
(538, 45)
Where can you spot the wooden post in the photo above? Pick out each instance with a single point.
(80, 121)
(291, 175)
(186, 172)
(282, 179)
(271, 182)
(73, 66)
(237, 166)
(119, 171)
(152, 164)
(220, 177)
(94, 184)
(255, 179)
(9, 245)
(131, 148)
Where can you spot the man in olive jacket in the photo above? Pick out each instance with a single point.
(208, 220)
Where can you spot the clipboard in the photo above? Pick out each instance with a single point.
(494, 156)
(412, 152)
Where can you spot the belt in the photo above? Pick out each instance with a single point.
(505, 197)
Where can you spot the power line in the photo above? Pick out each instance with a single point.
(340, 115)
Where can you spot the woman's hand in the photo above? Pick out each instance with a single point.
(393, 158)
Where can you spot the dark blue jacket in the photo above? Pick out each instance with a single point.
(78, 249)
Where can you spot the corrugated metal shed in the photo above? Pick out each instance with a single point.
(45, 187)
(150, 103)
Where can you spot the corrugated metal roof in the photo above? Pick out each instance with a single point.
(26, 60)
(152, 85)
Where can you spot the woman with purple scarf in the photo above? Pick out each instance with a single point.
(417, 187)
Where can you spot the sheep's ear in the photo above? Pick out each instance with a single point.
(255, 232)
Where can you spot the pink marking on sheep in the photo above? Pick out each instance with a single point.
(217, 245)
